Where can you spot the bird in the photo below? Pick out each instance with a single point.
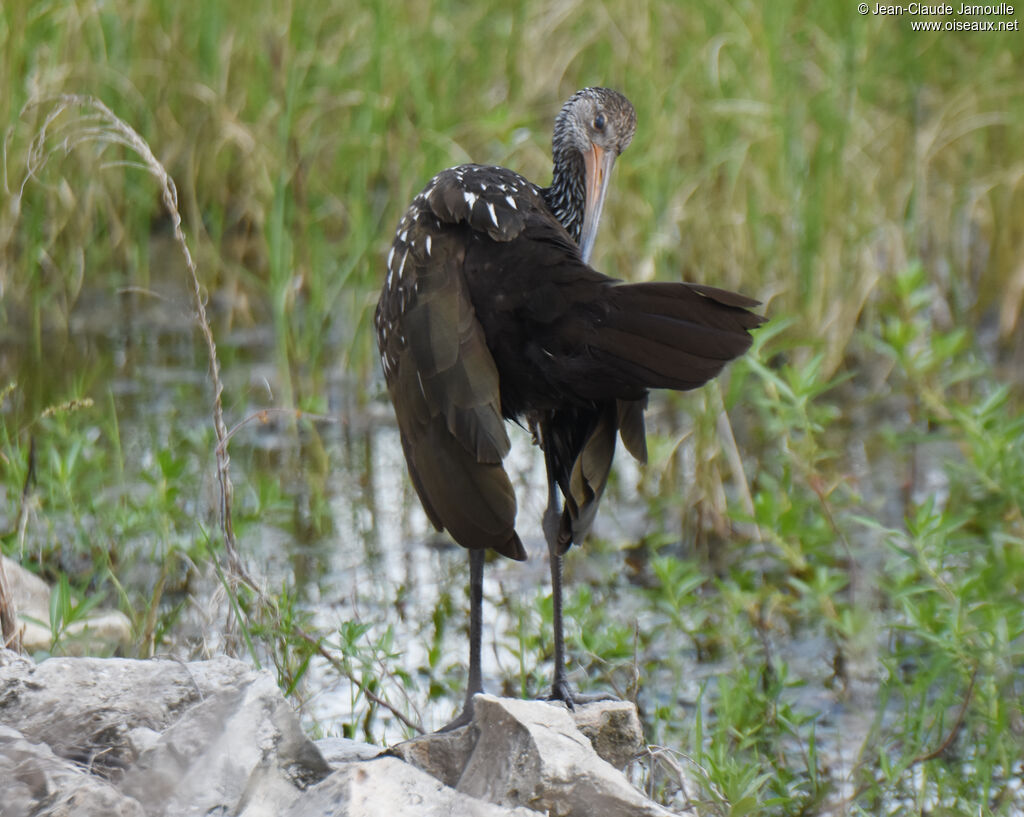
(490, 312)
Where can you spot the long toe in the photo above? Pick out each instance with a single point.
(464, 719)
(563, 692)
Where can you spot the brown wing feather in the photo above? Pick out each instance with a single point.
(445, 386)
(491, 200)
(589, 473)
(631, 427)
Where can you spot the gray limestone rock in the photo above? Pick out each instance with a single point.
(100, 631)
(387, 787)
(33, 780)
(116, 736)
(90, 710)
(530, 753)
(613, 729)
(237, 746)
(342, 750)
(96, 737)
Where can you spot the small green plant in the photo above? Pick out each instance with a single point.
(68, 608)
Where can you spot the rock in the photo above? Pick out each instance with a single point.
(100, 631)
(28, 591)
(238, 746)
(33, 780)
(342, 750)
(102, 701)
(443, 755)
(165, 737)
(90, 737)
(613, 729)
(387, 786)
(529, 753)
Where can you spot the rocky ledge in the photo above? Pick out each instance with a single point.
(90, 736)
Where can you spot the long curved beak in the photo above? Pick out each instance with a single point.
(598, 164)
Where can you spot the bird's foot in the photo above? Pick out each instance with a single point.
(464, 718)
(561, 691)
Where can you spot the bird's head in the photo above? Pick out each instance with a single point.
(595, 125)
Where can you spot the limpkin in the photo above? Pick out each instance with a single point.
(490, 312)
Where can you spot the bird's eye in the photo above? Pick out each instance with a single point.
(599, 122)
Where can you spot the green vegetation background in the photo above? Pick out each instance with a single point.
(865, 181)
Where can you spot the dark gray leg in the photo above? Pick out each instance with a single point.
(560, 690)
(476, 614)
(558, 542)
(552, 532)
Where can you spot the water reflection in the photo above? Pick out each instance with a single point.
(322, 507)
(326, 509)
(389, 568)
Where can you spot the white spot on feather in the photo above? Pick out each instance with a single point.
(494, 217)
(428, 244)
(402, 265)
(511, 202)
(470, 199)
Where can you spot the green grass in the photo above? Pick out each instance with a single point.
(866, 182)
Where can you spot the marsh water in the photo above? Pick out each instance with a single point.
(325, 509)
(322, 502)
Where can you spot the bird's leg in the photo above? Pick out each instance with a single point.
(558, 542)
(560, 690)
(476, 614)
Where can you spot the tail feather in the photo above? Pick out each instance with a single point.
(631, 338)
(662, 335)
(682, 334)
(705, 306)
(642, 362)
(683, 296)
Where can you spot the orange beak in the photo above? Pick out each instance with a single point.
(597, 163)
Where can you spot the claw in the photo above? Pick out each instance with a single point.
(562, 691)
(464, 718)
